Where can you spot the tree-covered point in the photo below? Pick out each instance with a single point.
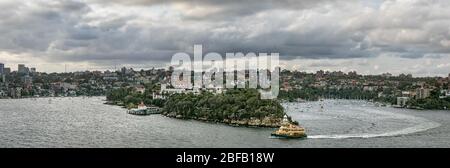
(235, 104)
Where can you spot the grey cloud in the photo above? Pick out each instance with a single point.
(227, 9)
(68, 30)
(33, 27)
(84, 33)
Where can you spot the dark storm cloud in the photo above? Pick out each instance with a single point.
(226, 9)
(250, 5)
(136, 31)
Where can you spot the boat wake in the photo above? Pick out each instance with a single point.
(422, 125)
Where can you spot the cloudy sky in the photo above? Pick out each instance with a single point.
(370, 36)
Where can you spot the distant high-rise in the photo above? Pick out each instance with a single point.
(6, 71)
(2, 73)
(21, 69)
(2, 67)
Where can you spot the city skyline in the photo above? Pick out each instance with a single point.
(367, 36)
(118, 68)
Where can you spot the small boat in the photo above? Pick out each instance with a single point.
(289, 130)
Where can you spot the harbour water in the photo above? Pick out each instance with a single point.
(87, 122)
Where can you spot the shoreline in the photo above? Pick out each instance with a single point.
(115, 104)
(266, 122)
(383, 104)
(42, 97)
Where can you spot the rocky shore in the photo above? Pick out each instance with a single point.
(271, 122)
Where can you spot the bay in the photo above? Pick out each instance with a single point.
(87, 122)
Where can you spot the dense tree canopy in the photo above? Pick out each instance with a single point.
(235, 104)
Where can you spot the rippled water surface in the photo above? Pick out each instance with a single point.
(79, 122)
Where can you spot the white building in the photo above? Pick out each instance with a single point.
(195, 90)
(423, 93)
(140, 89)
(68, 86)
(3, 94)
(444, 94)
(401, 101)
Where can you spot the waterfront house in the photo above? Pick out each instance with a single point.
(401, 101)
(444, 94)
(140, 89)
